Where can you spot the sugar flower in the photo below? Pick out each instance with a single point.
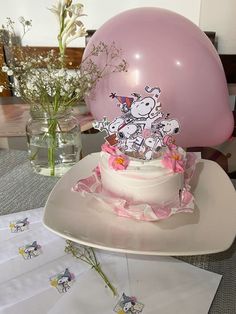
(173, 160)
(118, 162)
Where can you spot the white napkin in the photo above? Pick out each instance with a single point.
(89, 295)
(36, 281)
(34, 217)
(166, 285)
(37, 304)
(9, 248)
(16, 265)
(163, 284)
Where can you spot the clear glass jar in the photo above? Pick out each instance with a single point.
(54, 142)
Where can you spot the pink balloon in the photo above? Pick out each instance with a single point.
(165, 49)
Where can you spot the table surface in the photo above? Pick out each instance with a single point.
(21, 189)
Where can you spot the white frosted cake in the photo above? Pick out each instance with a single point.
(142, 173)
(145, 181)
(147, 190)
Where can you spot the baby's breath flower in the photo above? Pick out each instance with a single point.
(9, 72)
(5, 68)
(1, 88)
(88, 256)
(43, 79)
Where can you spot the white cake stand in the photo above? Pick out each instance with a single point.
(210, 229)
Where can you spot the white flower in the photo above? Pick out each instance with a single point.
(1, 88)
(30, 85)
(17, 94)
(61, 73)
(67, 87)
(21, 19)
(9, 72)
(5, 68)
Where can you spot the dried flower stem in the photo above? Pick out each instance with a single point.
(87, 255)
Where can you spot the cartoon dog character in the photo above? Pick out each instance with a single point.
(64, 280)
(31, 250)
(168, 127)
(147, 109)
(126, 136)
(152, 144)
(107, 126)
(20, 225)
(127, 303)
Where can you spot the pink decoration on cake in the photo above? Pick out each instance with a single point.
(173, 160)
(118, 162)
(109, 149)
(169, 141)
(146, 212)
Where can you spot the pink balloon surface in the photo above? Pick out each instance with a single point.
(164, 49)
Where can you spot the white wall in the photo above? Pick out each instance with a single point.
(44, 29)
(212, 15)
(220, 16)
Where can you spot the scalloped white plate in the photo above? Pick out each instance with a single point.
(210, 229)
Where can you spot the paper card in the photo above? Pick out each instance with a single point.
(167, 285)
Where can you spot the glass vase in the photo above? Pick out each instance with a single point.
(54, 142)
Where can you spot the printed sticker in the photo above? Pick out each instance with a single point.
(30, 250)
(19, 225)
(62, 281)
(128, 305)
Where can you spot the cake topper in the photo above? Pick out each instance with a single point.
(143, 128)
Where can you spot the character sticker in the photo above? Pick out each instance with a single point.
(143, 128)
(128, 305)
(19, 225)
(30, 250)
(62, 281)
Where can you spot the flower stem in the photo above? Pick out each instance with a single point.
(52, 146)
(105, 278)
(87, 255)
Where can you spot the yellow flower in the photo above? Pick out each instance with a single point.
(53, 282)
(176, 156)
(120, 160)
(11, 225)
(21, 251)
